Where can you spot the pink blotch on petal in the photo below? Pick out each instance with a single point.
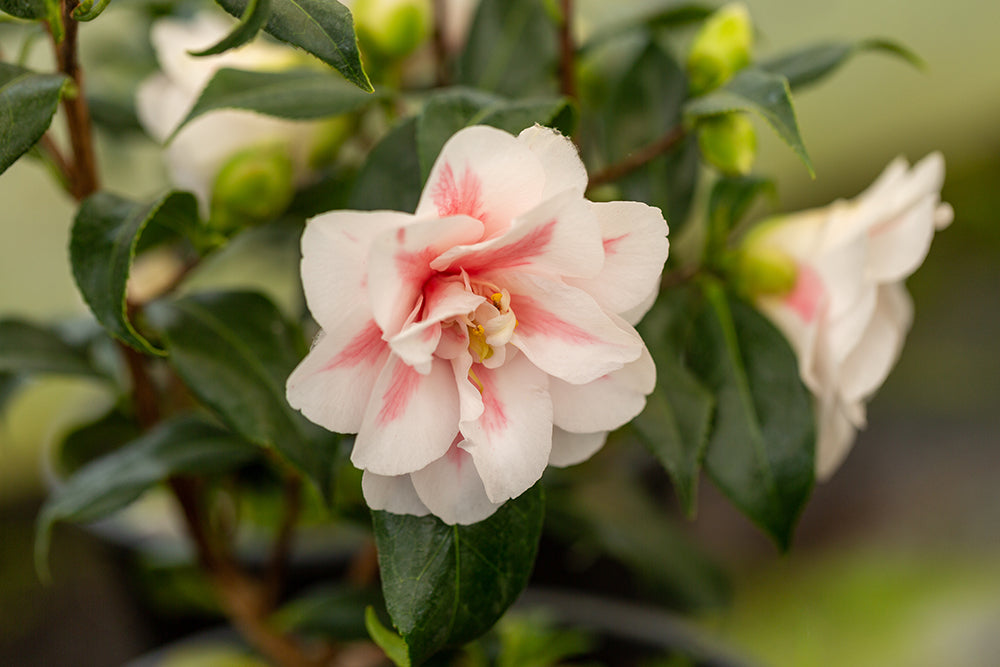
(610, 245)
(534, 320)
(401, 389)
(494, 417)
(517, 253)
(365, 347)
(805, 297)
(458, 198)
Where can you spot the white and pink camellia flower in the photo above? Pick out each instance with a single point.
(485, 336)
(848, 312)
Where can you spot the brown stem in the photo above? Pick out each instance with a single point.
(637, 159)
(282, 549)
(442, 76)
(147, 407)
(84, 182)
(567, 51)
(48, 145)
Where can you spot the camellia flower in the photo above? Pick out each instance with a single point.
(484, 336)
(195, 156)
(844, 307)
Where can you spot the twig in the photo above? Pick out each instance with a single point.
(442, 76)
(567, 51)
(281, 551)
(62, 165)
(637, 159)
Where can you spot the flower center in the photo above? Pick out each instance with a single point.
(492, 324)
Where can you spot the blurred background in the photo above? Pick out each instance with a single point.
(897, 558)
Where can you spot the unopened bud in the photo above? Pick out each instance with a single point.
(391, 29)
(720, 49)
(253, 186)
(728, 142)
(761, 269)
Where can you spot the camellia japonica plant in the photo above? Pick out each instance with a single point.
(464, 208)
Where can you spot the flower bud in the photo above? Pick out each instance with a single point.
(760, 270)
(391, 29)
(253, 186)
(728, 142)
(720, 49)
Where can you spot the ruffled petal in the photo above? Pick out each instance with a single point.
(571, 448)
(563, 331)
(411, 419)
(484, 173)
(867, 366)
(392, 494)
(511, 440)
(898, 246)
(563, 167)
(606, 403)
(452, 489)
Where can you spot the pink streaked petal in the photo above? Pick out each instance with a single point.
(563, 331)
(392, 494)
(635, 248)
(807, 296)
(332, 384)
(560, 236)
(563, 168)
(606, 403)
(511, 440)
(571, 448)
(334, 261)
(452, 489)
(411, 419)
(485, 170)
(399, 264)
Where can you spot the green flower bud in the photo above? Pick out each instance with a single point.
(728, 142)
(720, 49)
(763, 270)
(253, 186)
(391, 29)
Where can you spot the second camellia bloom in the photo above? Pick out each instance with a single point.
(485, 336)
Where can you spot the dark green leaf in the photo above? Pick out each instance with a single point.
(294, 94)
(391, 644)
(185, 445)
(811, 64)
(511, 49)
(335, 612)
(9, 384)
(102, 247)
(27, 103)
(88, 10)
(730, 200)
(659, 15)
(324, 28)
(235, 350)
(763, 93)
(254, 17)
(94, 440)
(447, 585)
(761, 450)
(390, 177)
(29, 348)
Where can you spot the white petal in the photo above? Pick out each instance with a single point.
(898, 246)
(392, 494)
(635, 314)
(160, 106)
(470, 400)
(563, 167)
(606, 403)
(335, 261)
(332, 385)
(511, 440)
(399, 263)
(835, 435)
(635, 248)
(561, 236)
(869, 363)
(410, 420)
(571, 448)
(563, 331)
(484, 173)
(452, 489)
(838, 337)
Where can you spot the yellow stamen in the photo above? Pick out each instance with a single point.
(497, 299)
(477, 343)
(478, 383)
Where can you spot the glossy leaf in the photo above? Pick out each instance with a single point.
(332, 611)
(103, 244)
(27, 103)
(93, 440)
(24, 9)
(761, 449)
(511, 49)
(234, 350)
(29, 348)
(446, 585)
(293, 94)
(390, 177)
(761, 92)
(809, 65)
(184, 445)
(324, 28)
(254, 16)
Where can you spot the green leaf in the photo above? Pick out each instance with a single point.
(732, 197)
(809, 65)
(9, 384)
(295, 94)
(324, 28)
(235, 350)
(27, 103)
(88, 10)
(511, 49)
(761, 450)
(657, 16)
(184, 445)
(24, 9)
(446, 585)
(390, 177)
(332, 611)
(102, 247)
(254, 16)
(392, 644)
(29, 348)
(93, 440)
(761, 92)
